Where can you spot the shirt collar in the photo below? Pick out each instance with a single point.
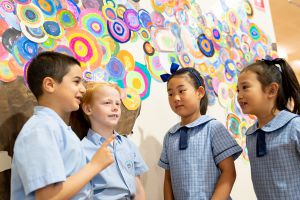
(281, 119)
(49, 112)
(98, 139)
(201, 120)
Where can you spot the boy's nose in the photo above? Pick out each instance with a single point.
(82, 89)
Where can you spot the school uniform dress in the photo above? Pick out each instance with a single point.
(276, 175)
(46, 151)
(194, 171)
(117, 181)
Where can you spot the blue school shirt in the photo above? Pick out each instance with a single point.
(276, 175)
(46, 151)
(194, 171)
(117, 180)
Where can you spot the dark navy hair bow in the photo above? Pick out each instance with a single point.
(276, 62)
(174, 68)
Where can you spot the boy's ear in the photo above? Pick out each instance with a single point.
(273, 89)
(201, 92)
(48, 84)
(87, 109)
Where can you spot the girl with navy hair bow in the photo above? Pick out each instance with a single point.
(198, 152)
(270, 90)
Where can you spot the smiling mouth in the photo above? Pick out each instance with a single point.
(179, 106)
(113, 116)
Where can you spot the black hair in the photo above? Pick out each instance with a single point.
(48, 64)
(280, 72)
(196, 80)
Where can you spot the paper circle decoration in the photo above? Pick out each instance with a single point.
(119, 30)
(34, 34)
(131, 19)
(205, 45)
(93, 22)
(115, 69)
(132, 99)
(139, 79)
(7, 6)
(85, 48)
(144, 18)
(66, 18)
(30, 15)
(53, 29)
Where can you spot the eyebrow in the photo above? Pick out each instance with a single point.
(179, 86)
(77, 77)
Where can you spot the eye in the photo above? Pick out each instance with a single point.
(169, 94)
(182, 91)
(245, 87)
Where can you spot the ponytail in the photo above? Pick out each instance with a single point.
(290, 90)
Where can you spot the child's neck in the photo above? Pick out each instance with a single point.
(189, 119)
(65, 116)
(105, 132)
(263, 119)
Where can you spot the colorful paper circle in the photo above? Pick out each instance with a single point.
(205, 45)
(47, 7)
(49, 44)
(120, 11)
(34, 34)
(148, 48)
(100, 75)
(115, 68)
(254, 32)
(6, 74)
(119, 30)
(185, 60)
(27, 49)
(230, 70)
(155, 67)
(53, 29)
(131, 19)
(144, 18)
(93, 22)
(109, 12)
(85, 48)
(132, 99)
(22, 1)
(7, 6)
(126, 59)
(233, 124)
(30, 15)
(144, 34)
(139, 80)
(66, 18)
(248, 8)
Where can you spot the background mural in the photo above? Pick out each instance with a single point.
(132, 43)
(94, 32)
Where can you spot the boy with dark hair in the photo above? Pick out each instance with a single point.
(48, 160)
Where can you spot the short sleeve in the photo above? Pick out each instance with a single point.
(38, 160)
(139, 164)
(163, 160)
(296, 135)
(223, 144)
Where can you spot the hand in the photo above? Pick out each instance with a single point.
(103, 157)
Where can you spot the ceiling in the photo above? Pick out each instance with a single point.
(286, 21)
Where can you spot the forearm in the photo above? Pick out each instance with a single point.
(70, 187)
(224, 185)
(168, 191)
(140, 192)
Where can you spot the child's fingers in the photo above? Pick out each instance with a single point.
(108, 141)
